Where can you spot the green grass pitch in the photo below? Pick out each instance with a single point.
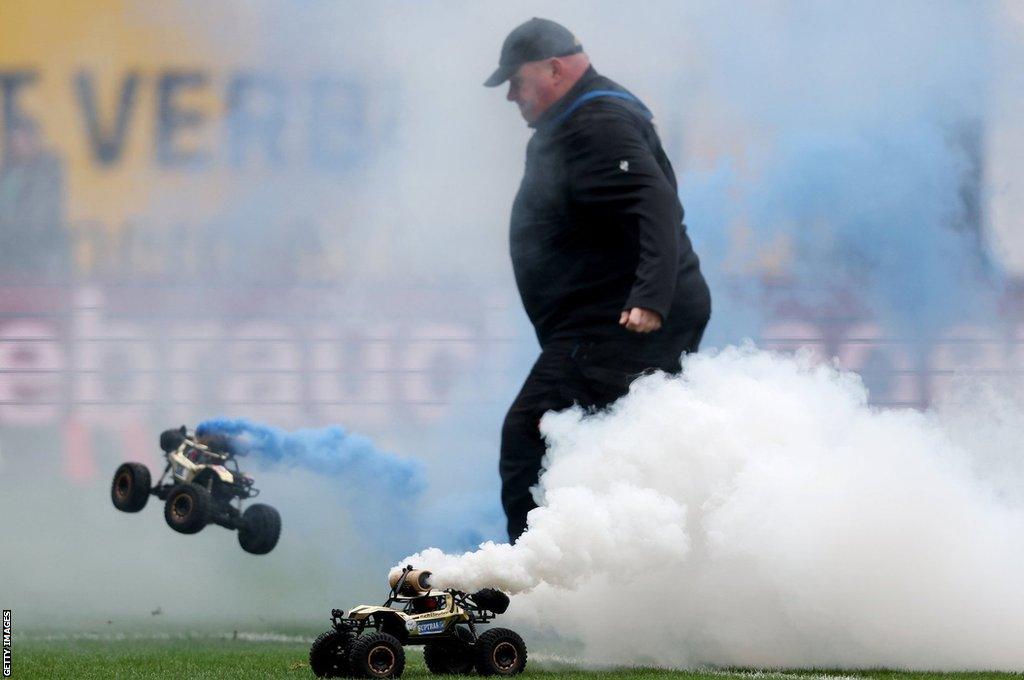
(57, 658)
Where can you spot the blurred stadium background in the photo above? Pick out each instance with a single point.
(295, 212)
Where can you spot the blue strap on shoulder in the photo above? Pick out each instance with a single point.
(594, 94)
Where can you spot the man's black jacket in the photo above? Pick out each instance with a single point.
(597, 226)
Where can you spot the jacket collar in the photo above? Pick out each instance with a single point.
(586, 82)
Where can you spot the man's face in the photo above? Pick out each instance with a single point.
(532, 87)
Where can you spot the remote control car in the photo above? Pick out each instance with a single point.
(368, 641)
(204, 486)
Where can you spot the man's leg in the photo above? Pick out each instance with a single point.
(593, 375)
(521, 444)
(688, 341)
(604, 370)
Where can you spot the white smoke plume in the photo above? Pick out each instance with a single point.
(758, 512)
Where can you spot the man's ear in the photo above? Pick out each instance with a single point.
(557, 69)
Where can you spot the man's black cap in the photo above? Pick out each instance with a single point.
(532, 41)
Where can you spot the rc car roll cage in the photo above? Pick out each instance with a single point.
(476, 613)
(227, 459)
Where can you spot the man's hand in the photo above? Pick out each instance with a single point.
(640, 320)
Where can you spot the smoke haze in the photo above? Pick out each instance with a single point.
(756, 512)
(759, 513)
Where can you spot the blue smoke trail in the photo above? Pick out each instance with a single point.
(328, 450)
(378, 487)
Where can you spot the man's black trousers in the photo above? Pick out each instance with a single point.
(591, 374)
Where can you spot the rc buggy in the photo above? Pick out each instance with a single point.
(204, 485)
(368, 641)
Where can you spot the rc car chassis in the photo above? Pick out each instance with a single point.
(368, 641)
(204, 486)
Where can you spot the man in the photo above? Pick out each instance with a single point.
(601, 258)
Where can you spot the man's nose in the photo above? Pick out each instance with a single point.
(511, 96)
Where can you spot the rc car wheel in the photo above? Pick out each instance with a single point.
(377, 655)
(500, 651)
(261, 527)
(328, 657)
(187, 508)
(490, 598)
(451, 658)
(130, 488)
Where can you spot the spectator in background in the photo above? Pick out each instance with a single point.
(34, 242)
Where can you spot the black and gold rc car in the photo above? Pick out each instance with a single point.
(204, 486)
(368, 641)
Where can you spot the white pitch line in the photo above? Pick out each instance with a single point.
(245, 636)
(746, 675)
(779, 675)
